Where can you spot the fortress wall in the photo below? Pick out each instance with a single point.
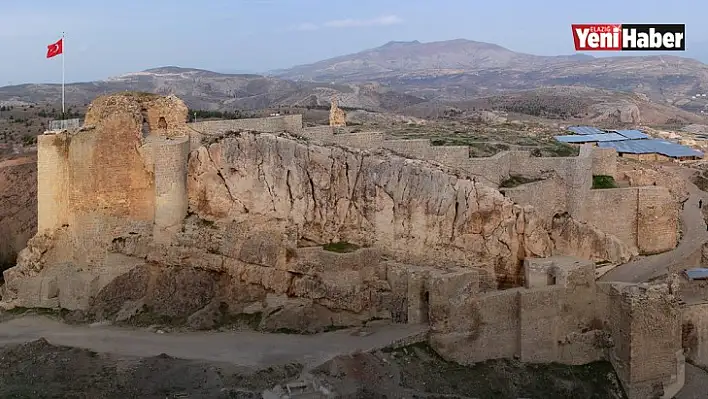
(567, 320)
(613, 211)
(539, 314)
(476, 328)
(453, 156)
(657, 220)
(107, 172)
(416, 148)
(646, 354)
(494, 169)
(535, 166)
(195, 140)
(578, 179)
(364, 141)
(695, 333)
(548, 197)
(620, 325)
(604, 162)
(324, 134)
(52, 181)
(654, 345)
(170, 186)
(272, 124)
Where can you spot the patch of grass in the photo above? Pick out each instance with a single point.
(516, 180)
(340, 247)
(603, 181)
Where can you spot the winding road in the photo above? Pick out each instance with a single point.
(646, 268)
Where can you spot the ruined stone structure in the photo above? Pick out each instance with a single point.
(562, 315)
(337, 117)
(143, 214)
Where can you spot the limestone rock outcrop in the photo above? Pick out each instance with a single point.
(416, 212)
(586, 242)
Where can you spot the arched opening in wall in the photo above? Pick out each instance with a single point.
(146, 125)
(551, 278)
(162, 123)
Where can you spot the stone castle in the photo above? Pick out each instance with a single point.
(141, 213)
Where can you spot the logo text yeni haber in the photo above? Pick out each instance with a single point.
(629, 37)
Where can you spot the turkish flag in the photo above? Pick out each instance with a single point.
(55, 49)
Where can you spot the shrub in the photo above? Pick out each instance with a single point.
(341, 247)
(603, 181)
(516, 180)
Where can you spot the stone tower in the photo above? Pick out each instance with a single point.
(337, 117)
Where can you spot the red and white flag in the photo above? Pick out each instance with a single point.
(55, 49)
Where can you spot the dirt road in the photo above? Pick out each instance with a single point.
(244, 348)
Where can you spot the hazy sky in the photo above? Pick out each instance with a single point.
(108, 38)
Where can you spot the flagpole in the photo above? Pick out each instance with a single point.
(62, 74)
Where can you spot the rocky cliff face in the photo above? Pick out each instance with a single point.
(412, 210)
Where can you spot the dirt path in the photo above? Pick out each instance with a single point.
(694, 235)
(242, 347)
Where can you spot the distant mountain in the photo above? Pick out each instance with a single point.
(395, 59)
(460, 69)
(208, 90)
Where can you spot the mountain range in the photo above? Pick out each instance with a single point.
(399, 75)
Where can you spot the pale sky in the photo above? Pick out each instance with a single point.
(108, 38)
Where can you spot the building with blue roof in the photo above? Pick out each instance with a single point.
(630, 143)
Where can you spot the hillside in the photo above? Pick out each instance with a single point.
(209, 90)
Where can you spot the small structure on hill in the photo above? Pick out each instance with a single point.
(337, 117)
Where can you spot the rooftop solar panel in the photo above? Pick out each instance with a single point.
(585, 130)
(590, 138)
(652, 146)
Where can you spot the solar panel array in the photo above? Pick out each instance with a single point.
(652, 146)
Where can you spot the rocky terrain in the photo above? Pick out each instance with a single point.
(209, 90)
(580, 105)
